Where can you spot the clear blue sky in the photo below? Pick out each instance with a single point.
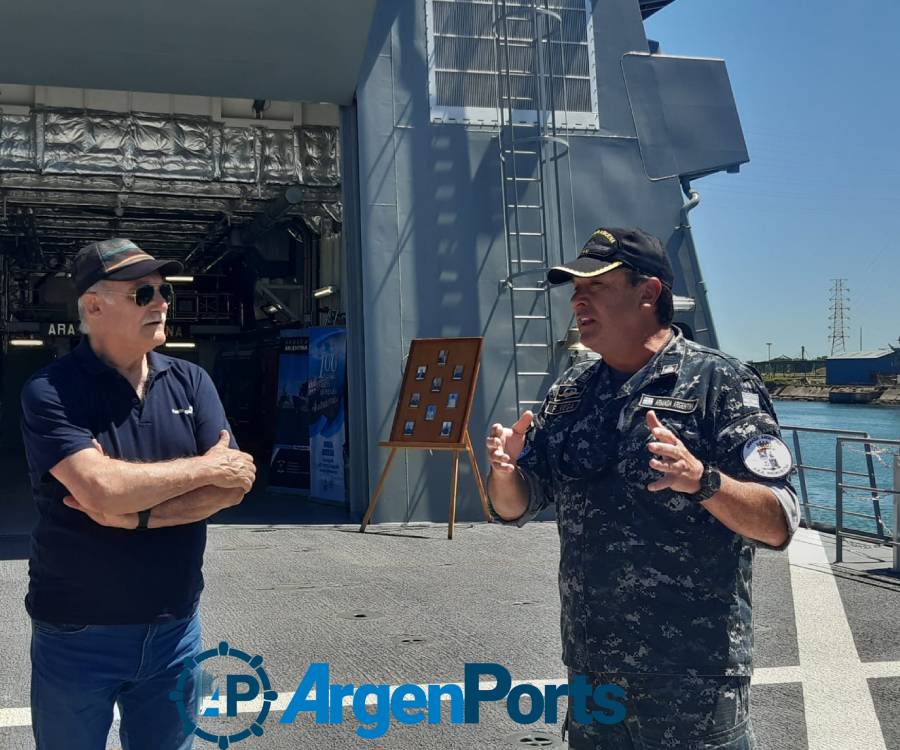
(817, 86)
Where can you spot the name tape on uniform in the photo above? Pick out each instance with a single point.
(667, 403)
(766, 456)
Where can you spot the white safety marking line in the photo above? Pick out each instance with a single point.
(21, 717)
(873, 669)
(15, 717)
(839, 710)
(774, 675)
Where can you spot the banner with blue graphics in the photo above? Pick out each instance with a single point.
(327, 373)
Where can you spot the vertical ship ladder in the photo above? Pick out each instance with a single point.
(530, 150)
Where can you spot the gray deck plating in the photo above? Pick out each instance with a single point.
(292, 595)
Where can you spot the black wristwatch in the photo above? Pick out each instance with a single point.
(143, 519)
(710, 483)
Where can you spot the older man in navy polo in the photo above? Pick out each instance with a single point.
(129, 451)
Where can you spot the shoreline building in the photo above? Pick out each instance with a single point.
(784, 365)
(875, 367)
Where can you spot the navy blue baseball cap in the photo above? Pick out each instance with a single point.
(611, 248)
(117, 260)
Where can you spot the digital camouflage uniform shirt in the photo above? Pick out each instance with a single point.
(652, 582)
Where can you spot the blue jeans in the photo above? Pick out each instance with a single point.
(79, 672)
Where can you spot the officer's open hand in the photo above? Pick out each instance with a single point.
(504, 444)
(681, 471)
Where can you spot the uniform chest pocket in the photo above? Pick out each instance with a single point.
(582, 445)
(636, 434)
(684, 426)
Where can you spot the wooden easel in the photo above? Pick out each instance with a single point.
(433, 410)
(454, 478)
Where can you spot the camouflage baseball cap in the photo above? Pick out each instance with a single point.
(117, 260)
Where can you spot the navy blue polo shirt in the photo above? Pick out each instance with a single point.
(84, 573)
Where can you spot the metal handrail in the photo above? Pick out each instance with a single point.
(805, 504)
(827, 430)
(827, 470)
(880, 537)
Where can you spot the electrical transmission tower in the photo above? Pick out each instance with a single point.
(840, 315)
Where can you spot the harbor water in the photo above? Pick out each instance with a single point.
(818, 449)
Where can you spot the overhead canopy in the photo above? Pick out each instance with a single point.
(294, 50)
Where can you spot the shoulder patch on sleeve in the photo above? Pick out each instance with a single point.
(768, 457)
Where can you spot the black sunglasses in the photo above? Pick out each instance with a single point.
(143, 295)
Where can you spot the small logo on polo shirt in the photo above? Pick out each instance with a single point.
(187, 412)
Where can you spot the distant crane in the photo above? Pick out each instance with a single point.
(840, 315)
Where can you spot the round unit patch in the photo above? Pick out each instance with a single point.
(768, 457)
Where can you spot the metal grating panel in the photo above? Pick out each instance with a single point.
(463, 62)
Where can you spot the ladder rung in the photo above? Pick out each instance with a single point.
(526, 261)
(535, 374)
(532, 346)
(519, 151)
(522, 205)
(533, 403)
(530, 317)
(525, 234)
(524, 179)
(528, 288)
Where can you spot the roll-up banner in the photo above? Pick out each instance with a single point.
(308, 455)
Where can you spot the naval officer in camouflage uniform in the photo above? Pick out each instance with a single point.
(665, 464)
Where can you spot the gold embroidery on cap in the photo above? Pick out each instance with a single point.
(588, 274)
(605, 235)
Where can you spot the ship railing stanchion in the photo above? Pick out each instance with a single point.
(896, 567)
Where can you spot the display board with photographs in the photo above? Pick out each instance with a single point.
(433, 412)
(436, 393)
